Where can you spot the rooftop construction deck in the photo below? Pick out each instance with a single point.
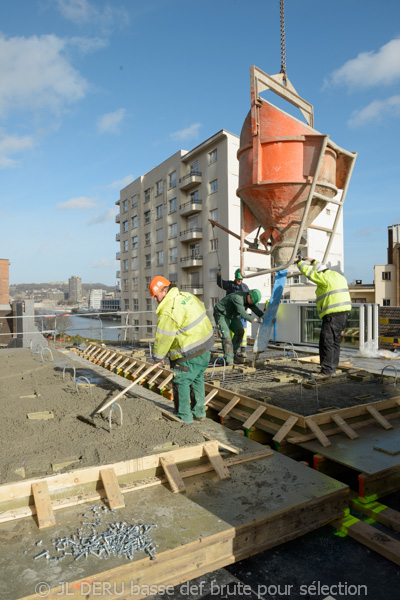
(216, 495)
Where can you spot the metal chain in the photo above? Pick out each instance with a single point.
(283, 43)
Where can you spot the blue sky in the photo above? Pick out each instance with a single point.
(95, 93)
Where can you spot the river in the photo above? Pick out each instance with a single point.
(104, 329)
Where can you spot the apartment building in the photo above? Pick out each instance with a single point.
(95, 298)
(75, 289)
(164, 229)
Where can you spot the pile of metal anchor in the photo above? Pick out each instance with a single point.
(119, 539)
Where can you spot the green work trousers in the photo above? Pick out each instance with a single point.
(225, 327)
(188, 387)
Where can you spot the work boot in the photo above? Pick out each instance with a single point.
(238, 360)
(199, 418)
(243, 352)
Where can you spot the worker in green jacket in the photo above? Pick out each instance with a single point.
(333, 306)
(227, 315)
(184, 333)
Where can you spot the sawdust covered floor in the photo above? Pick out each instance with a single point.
(337, 392)
(31, 447)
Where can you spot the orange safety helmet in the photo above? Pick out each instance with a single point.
(157, 284)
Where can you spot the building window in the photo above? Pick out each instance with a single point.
(134, 242)
(125, 205)
(126, 285)
(194, 196)
(125, 226)
(126, 303)
(173, 255)
(386, 275)
(159, 187)
(147, 259)
(134, 200)
(148, 303)
(134, 221)
(135, 322)
(135, 284)
(173, 277)
(194, 250)
(160, 258)
(126, 245)
(172, 180)
(212, 156)
(214, 244)
(386, 302)
(213, 186)
(173, 230)
(159, 211)
(213, 274)
(147, 280)
(147, 217)
(126, 264)
(147, 195)
(147, 239)
(194, 168)
(172, 205)
(149, 327)
(214, 301)
(214, 215)
(135, 262)
(159, 235)
(135, 304)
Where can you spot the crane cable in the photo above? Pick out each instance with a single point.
(283, 42)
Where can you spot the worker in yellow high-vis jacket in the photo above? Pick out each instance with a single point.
(184, 334)
(333, 306)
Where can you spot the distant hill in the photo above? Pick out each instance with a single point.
(18, 288)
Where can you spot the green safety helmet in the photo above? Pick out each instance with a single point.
(255, 295)
(238, 274)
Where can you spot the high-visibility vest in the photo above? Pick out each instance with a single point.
(183, 328)
(332, 290)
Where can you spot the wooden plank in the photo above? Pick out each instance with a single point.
(226, 410)
(172, 473)
(210, 396)
(320, 435)
(220, 444)
(154, 377)
(357, 411)
(108, 359)
(123, 363)
(44, 510)
(43, 415)
(377, 511)
(369, 536)
(112, 489)
(129, 368)
(379, 418)
(284, 430)
(140, 368)
(94, 496)
(254, 417)
(345, 427)
(299, 439)
(166, 380)
(217, 462)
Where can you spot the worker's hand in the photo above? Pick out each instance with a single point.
(256, 320)
(309, 259)
(159, 364)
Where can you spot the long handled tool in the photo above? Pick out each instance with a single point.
(101, 408)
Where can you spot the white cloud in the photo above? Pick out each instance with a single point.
(109, 215)
(376, 111)
(12, 144)
(189, 133)
(34, 74)
(83, 12)
(370, 69)
(111, 122)
(81, 203)
(103, 263)
(367, 232)
(121, 183)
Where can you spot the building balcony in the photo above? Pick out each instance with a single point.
(117, 237)
(193, 288)
(118, 255)
(191, 261)
(117, 218)
(191, 207)
(196, 233)
(190, 181)
(118, 274)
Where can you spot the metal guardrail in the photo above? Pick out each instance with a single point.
(192, 174)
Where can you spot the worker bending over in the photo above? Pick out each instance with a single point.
(231, 287)
(184, 333)
(333, 306)
(228, 313)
